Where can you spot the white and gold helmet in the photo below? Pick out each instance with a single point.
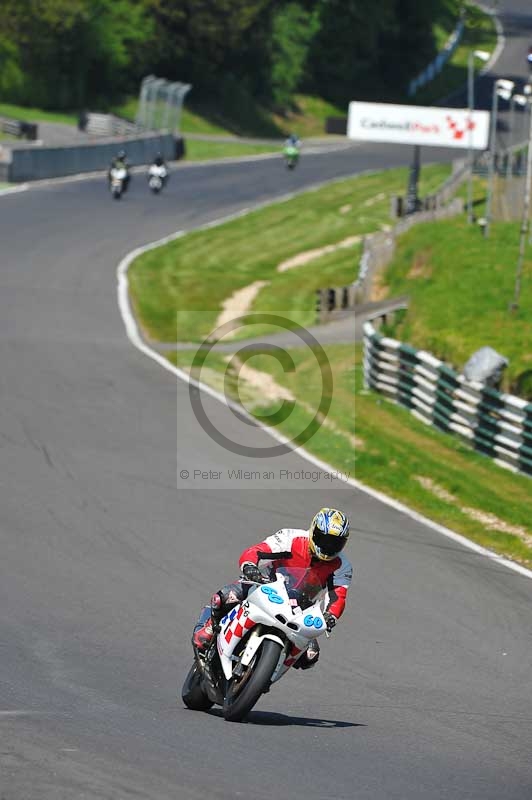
(328, 533)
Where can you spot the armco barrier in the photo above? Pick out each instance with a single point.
(496, 424)
(335, 299)
(438, 200)
(19, 128)
(53, 162)
(108, 125)
(339, 301)
(436, 66)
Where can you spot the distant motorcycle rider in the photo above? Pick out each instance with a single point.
(293, 141)
(158, 168)
(119, 162)
(319, 547)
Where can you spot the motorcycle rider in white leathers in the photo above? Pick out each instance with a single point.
(319, 547)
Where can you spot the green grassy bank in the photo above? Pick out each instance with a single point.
(385, 447)
(178, 290)
(443, 266)
(461, 286)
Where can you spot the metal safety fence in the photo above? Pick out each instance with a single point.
(53, 162)
(107, 125)
(496, 424)
(19, 128)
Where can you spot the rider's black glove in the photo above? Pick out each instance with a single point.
(330, 620)
(252, 573)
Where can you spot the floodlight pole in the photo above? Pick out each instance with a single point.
(524, 223)
(504, 88)
(491, 165)
(471, 106)
(412, 199)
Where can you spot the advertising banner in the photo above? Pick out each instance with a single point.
(423, 125)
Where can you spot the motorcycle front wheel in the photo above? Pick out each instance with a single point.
(192, 693)
(243, 692)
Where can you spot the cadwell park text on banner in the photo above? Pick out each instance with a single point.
(418, 125)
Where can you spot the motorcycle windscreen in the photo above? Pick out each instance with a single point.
(303, 585)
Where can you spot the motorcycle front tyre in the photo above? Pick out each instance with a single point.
(192, 692)
(237, 704)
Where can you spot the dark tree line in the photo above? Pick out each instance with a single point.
(73, 53)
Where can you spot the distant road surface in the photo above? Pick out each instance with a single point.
(424, 692)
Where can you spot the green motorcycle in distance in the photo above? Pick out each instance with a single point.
(291, 156)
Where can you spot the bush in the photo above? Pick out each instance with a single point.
(522, 387)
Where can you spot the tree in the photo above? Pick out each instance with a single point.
(11, 76)
(344, 56)
(408, 46)
(199, 40)
(72, 51)
(292, 33)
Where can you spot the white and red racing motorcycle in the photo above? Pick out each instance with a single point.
(258, 641)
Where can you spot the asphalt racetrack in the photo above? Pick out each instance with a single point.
(424, 690)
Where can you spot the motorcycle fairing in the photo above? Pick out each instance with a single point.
(270, 606)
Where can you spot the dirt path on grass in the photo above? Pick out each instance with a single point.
(310, 255)
(264, 388)
(238, 304)
(263, 385)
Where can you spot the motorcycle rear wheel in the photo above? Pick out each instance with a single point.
(192, 692)
(242, 695)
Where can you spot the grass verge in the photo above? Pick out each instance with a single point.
(386, 448)
(245, 118)
(459, 303)
(178, 290)
(365, 434)
(37, 114)
(308, 116)
(199, 150)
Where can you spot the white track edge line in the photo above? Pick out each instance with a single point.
(136, 339)
(501, 39)
(23, 187)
